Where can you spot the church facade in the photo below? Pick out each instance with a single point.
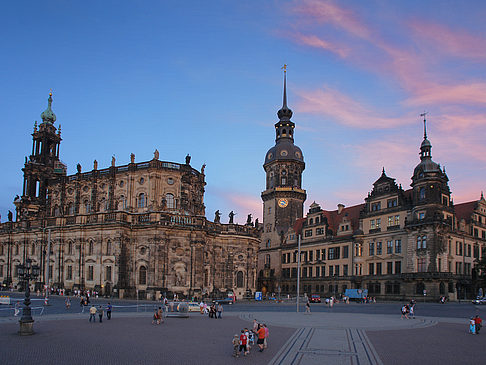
(135, 229)
(398, 244)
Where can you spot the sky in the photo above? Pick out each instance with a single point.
(204, 78)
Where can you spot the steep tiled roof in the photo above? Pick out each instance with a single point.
(352, 213)
(465, 210)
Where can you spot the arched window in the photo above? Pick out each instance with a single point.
(419, 242)
(169, 198)
(108, 248)
(87, 206)
(71, 209)
(267, 260)
(32, 251)
(90, 248)
(103, 205)
(284, 132)
(422, 193)
(16, 249)
(239, 279)
(122, 204)
(424, 241)
(141, 200)
(70, 248)
(441, 288)
(142, 275)
(56, 211)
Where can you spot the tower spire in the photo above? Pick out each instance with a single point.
(284, 104)
(425, 124)
(285, 113)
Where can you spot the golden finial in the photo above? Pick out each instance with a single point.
(284, 67)
(50, 92)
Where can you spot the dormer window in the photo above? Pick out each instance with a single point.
(376, 206)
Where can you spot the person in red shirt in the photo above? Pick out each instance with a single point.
(243, 342)
(478, 323)
(261, 337)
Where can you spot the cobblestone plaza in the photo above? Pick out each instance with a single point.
(345, 334)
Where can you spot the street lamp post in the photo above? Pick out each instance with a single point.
(26, 273)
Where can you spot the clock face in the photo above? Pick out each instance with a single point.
(282, 203)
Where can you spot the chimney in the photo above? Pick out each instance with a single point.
(340, 208)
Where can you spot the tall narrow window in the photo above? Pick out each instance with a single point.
(239, 279)
(142, 275)
(108, 247)
(170, 201)
(90, 248)
(141, 200)
(108, 273)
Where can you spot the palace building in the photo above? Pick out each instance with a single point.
(397, 244)
(123, 230)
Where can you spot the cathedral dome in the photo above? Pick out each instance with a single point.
(284, 150)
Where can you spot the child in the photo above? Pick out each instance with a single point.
(249, 339)
(243, 343)
(472, 326)
(236, 343)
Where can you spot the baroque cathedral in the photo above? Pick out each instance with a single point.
(125, 230)
(397, 244)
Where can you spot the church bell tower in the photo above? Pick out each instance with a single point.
(283, 197)
(42, 165)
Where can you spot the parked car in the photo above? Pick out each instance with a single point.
(224, 301)
(479, 300)
(315, 298)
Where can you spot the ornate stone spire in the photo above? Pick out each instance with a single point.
(48, 115)
(284, 114)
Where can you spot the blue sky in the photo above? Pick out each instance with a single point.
(204, 78)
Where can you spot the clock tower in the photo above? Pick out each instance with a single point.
(283, 197)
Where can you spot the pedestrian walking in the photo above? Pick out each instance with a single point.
(261, 337)
(472, 326)
(220, 310)
(243, 344)
(307, 307)
(92, 313)
(155, 317)
(67, 302)
(478, 322)
(100, 313)
(236, 344)
(159, 316)
(404, 312)
(201, 308)
(108, 311)
(255, 325)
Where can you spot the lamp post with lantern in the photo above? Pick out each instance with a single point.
(27, 272)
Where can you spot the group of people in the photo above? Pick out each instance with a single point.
(213, 310)
(408, 310)
(475, 324)
(246, 339)
(100, 311)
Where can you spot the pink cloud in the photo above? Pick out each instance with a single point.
(317, 42)
(457, 42)
(244, 204)
(328, 12)
(345, 110)
(431, 93)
